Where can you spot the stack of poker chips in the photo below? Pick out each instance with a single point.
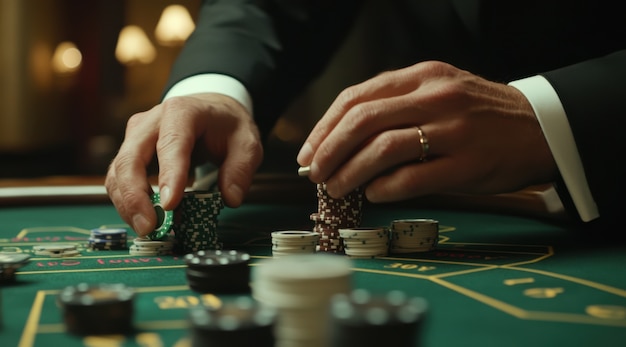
(9, 263)
(334, 214)
(286, 242)
(56, 250)
(195, 223)
(300, 287)
(414, 235)
(144, 246)
(365, 242)
(218, 271)
(238, 322)
(97, 309)
(364, 319)
(107, 239)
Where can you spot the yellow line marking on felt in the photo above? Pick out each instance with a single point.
(103, 269)
(154, 325)
(584, 282)
(30, 329)
(524, 314)
(516, 281)
(27, 231)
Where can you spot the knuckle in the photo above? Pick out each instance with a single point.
(173, 104)
(385, 145)
(171, 139)
(134, 120)
(361, 116)
(348, 95)
(122, 163)
(324, 153)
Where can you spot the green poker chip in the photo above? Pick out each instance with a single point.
(165, 219)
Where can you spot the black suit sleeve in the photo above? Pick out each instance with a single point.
(593, 96)
(273, 47)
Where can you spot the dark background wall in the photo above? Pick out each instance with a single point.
(72, 124)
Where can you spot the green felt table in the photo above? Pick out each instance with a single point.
(494, 280)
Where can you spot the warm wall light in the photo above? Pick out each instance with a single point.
(134, 47)
(66, 58)
(174, 26)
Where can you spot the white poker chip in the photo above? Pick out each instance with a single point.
(56, 250)
(64, 254)
(285, 242)
(364, 233)
(414, 235)
(294, 234)
(13, 260)
(301, 287)
(53, 247)
(134, 250)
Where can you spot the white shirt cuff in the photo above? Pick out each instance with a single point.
(212, 83)
(553, 120)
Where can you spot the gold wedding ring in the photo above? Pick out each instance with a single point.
(423, 143)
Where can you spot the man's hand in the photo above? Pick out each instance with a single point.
(171, 130)
(483, 137)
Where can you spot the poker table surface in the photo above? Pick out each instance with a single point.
(505, 273)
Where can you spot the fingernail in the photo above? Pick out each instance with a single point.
(141, 225)
(165, 193)
(305, 154)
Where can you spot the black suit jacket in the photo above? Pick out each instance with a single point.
(276, 47)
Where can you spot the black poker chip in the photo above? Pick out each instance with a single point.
(97, 309)
(218, 271)
(364, 319)
(241, 321)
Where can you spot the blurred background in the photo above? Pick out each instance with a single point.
(72, 72)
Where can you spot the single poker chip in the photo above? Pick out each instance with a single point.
(112, 232)
(11, 259)
(9, 263)
(65, 254)
(145, 241)
(218, 271)
(53, 247)
(165, 219)
(237, 322)
(364, 319)
(97, 309)
(56, 250)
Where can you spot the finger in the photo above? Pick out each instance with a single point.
(137, 215)
(383, 86)
(360, 124)
(177, 135)
(386, 151)
(127, 181)
(418, 179)
(245, 154)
